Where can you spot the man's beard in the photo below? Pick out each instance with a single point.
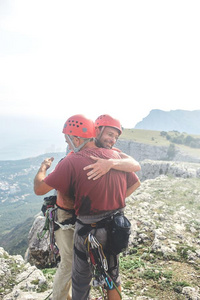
(98, 144)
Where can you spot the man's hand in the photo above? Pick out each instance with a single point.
(46, 164)
(99, 168)
(40, 187)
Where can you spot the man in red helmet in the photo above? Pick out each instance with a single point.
(108, 131)
(93, 200)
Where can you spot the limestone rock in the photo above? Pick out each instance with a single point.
(20, 281)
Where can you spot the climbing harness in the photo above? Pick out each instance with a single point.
(118, 230)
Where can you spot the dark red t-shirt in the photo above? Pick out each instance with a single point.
(91, 196)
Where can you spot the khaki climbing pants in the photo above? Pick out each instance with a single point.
(64, 241)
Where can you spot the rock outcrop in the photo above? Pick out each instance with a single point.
(152, 169)
(145, 151)
(20, 280)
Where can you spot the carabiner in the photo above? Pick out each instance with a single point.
(110, 284)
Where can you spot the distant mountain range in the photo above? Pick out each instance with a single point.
(179, 120)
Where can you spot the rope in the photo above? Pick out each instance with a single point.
(48, 296)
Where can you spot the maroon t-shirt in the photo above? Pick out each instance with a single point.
(91, 196)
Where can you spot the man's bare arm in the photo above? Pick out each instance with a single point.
(102, 166)
(40, 187)
(132, 188)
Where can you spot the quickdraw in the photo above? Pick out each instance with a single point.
(99, 265)
(51, 224)
(49, 227)
(53, 247)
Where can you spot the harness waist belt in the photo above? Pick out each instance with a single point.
(72, 221)
(66, 209)
(88, 227)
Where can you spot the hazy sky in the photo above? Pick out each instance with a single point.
(59, 58)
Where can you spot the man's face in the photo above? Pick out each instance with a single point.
(108, 137)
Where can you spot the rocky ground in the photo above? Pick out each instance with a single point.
(20, 280)
(164, 254)
(163, 258)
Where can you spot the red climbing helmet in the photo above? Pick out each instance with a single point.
(80, 126)
(106, 120)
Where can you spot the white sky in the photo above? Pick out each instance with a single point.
(124, 58)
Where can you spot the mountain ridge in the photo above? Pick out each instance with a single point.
(179, 120)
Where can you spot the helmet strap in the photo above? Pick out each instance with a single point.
(76, 149)
(101, 132)
(97, 139)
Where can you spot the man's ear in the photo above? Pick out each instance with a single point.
(78, 141)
